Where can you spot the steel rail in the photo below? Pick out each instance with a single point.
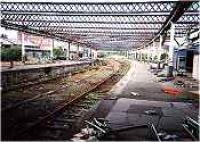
(43, 94)
(62, 106)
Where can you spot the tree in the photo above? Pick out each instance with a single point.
(146, 57)
(150, 58)
(4, 36)
(11, 54)
(155, 58)
(163, 56)
(58, 52)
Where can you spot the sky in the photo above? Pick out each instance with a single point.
(12, 34)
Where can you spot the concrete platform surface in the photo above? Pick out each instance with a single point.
(57, 64)
(168, 117)
(141, 102)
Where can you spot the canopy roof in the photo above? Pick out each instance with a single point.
(101, 24)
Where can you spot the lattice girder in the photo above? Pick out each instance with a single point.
(136, 22)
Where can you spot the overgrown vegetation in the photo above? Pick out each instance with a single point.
(58, 53)
(11, 54)
(164, 57)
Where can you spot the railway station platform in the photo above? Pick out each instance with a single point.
(12, 77)
(37, 66)
(138, 100)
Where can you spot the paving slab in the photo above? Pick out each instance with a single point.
(140, 101)
(131, 112)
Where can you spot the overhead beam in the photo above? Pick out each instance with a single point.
(95, 22)
(44, 13)
(31, 31)
(37, 32)
(97, 27)
(175, 14)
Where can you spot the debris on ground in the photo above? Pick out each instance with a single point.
(191, 127)
(151, 112)
(172, 90)
(170, 137)
(161, 75)
(166, 79)
(179, 83)
(135, 94)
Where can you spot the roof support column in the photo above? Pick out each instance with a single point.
(161, 40)
(134, 53)
(89, 52)
(171, 49)
(77, 52)
(23, 49)
(153, 50)
(127, 53)
(52, 47)
(95, 54)
(68, 51)
(160, 47)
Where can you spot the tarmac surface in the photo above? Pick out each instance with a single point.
(137, 100)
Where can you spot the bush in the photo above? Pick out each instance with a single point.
(58, 52)
(163, 56)
(155, 58)
(100, 55)
(11, 54)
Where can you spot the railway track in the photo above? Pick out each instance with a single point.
(44, 95)
(52, 114)
(65, 118)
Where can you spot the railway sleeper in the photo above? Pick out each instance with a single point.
(64, 120)
(83, 105)
(80, 105)
(58, 127)
(88, 101)
(73, 115)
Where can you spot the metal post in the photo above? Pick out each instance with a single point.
(78, 51)
(161, 40)
(51, 52)
(23, 48)
(171, 49)
(89, 53)
(134, 53)
(68, 51)
(160, 47)
(153, 50)
(127, 54)
(95, 54)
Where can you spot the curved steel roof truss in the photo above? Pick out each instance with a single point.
(135, 23)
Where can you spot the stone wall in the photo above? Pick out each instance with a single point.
(12, 79)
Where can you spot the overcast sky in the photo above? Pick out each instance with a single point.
(10, 33)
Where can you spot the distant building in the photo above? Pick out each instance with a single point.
(35, 46)
(42, 42)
